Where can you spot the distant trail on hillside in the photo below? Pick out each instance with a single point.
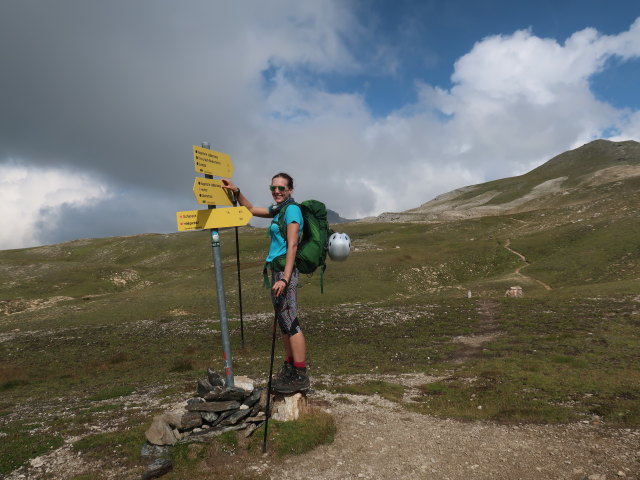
(507, 245)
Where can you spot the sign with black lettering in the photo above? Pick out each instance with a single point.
(214, 218)
(211, 162)
(210, 192)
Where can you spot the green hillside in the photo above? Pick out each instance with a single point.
(592, 173)
(91, 326)
(574, 166)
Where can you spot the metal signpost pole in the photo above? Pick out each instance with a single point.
(222, 309)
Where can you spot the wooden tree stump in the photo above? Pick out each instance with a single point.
(288, 407)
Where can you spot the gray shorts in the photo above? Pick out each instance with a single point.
(286, 305)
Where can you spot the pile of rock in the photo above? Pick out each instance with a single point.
(514, 292)
(216, 409)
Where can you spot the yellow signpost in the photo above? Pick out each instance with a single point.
(211, 162)
(214, 218)
(210, 192)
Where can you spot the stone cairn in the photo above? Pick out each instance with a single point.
(514, 292)
(214, 410)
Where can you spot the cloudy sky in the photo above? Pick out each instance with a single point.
(371, 105)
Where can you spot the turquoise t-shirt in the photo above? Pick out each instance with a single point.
(278, 244)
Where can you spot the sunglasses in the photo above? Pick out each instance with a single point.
(279, 187)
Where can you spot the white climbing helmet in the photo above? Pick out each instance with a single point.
(339, 247)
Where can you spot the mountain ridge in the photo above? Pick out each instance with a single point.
(561, 181)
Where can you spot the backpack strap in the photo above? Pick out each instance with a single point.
(265, 275)
(283, 231)
(281, 221)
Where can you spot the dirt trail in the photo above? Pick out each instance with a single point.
(377, 439)
(518, 272)
(486, 330)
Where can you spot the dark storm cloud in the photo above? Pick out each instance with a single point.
(123, 88)
(125, 214)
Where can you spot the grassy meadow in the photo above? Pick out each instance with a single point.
(109, 331)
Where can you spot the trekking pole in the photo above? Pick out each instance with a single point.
(235, 203)
(268, 407)
(239, 288)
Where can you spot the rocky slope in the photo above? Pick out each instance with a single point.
(568, 179)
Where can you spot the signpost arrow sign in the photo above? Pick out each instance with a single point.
(215, 218)
(210, 192)
(211, 162)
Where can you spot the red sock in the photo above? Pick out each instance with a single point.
(300, 364)
(289, 360)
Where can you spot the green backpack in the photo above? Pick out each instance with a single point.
(312, 249)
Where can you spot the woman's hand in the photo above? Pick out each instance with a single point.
(279, 287)
(243, 201)
(229, 185)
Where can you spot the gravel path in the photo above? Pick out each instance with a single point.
(377, 439)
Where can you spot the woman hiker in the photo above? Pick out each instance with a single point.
(293, 375)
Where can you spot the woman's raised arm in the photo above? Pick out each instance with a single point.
(242, 200)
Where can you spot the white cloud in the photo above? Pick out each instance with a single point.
(517, 100)
(539, 70)
(31, 199)
(629, 127)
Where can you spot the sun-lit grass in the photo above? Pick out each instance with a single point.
(112, 392)
(556, 362)
(293, 438)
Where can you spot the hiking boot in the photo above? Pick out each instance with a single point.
(286, 370)
(297, 381)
